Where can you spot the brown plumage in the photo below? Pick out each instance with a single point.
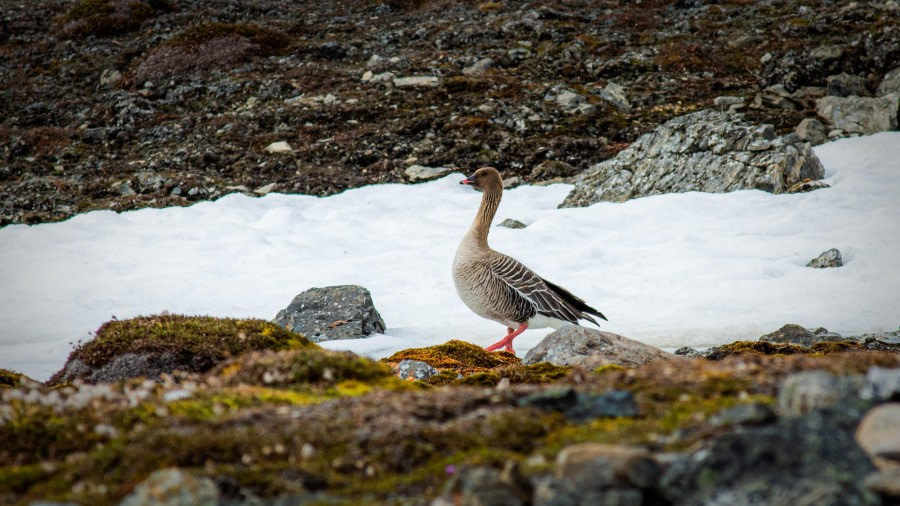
(500, 288)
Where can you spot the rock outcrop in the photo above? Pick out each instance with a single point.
(706, 151)
(860, 115)
(828, 258)
(576, 345)
(334, 312)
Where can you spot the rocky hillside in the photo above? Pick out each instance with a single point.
(120, 104)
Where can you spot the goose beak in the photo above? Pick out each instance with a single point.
(467, 180)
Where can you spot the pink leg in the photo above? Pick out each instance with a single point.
(506, 342)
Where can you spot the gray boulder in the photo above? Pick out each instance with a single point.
(879, 435)
(859, 115)
(806, 391)
(890, 83)
(881, 384)
(415, 370)
(480, 67)
(829, 258)
(583, 406)
(707, 151)
(795, 334)
(484, 486)
(807, 460)
(812, 130)
(511, 223)
(581, 346)
(173, 487)
(334, 312)
(591, 473)
(593, 465)
(846, 85)
(418, 173)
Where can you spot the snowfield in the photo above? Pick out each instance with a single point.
(670, 270)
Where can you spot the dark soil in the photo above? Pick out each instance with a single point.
(115, 104)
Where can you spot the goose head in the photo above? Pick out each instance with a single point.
(484, 178)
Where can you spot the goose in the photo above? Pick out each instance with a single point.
(500, 288)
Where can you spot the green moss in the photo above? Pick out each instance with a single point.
(311, 365)
(9, 378)
(608, 368)
(270, 41)
(768, 348)
(33, 432)
(201, 341)
(456, 355)
(18, 479)
(543, 372)
(488, 379)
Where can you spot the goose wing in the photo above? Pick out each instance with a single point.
(547, 298)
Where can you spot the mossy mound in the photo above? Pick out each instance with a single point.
(543, 372)
(290, 369)
(210, 46)
(458, 356)
(269, 41)
(103, 18)
(150, 345)
(769, 348)
(10, 378)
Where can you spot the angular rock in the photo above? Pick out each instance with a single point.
(581, 346)
(886, 484)
(570, 101)
(615, 95)
(804, 392)
(415, 370)
(891, 337)
(829, 258)
(879, 435)
(549, 169)
(594, 465)
(415, 81)
(807, 460)
(726, 101)
(384, 77)
(704, 151)
(860, 115)
(482, 486)
(511, 223)
(826, 53)
(795, 334)
(583, 406)
(110, 77)
(334, 312)
(807, 186)
(173, 487)
(846, 85)
(265, 189)
(279, 147)
(890, 84)
(881, 384)
(811, 130)
(687, 351)
(745, 414)
(418, 173)
(480, 67)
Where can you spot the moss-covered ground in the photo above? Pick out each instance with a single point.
(298, 420)
(199, 342)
